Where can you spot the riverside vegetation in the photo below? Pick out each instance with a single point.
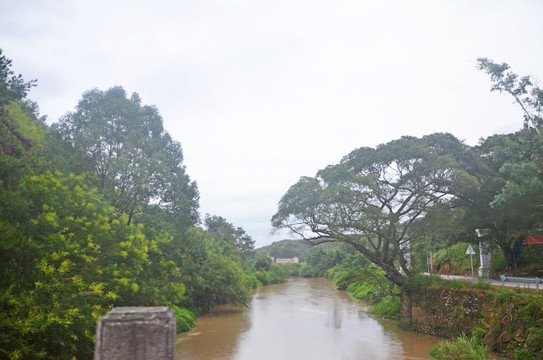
(98, 211)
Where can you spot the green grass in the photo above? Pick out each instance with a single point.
(461, 348)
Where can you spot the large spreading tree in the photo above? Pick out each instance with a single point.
(373, 196)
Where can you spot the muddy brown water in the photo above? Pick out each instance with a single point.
(301, 319)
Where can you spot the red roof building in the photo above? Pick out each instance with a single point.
(532, 240)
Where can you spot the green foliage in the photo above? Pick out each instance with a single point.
(522, 89)
(21, 137)
(278, 274)
(322, 260)
(185, 318)
(454, 260)
(217, 279)
(369, 285)
(263, 263)
(292, 269)
(388, 307)
(419, 282)
(285, 249)
(373, 287)
(275, 275)
(367, 200)
(514, 324)
(68, 259)
(235, 241)
(509, 203)
(24, 129)
(308, 271)
(252, 281)
(135, 163)
(263, 277)
(463, 347)
(344, 279)
(12, 87)
(499, 262)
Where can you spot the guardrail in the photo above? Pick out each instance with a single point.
(535, 281)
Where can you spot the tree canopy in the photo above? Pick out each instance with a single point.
(134, 162)
(12, 87)
(372, 197)
(511, 198)
(521, 88)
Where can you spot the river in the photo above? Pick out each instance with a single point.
(301, 319)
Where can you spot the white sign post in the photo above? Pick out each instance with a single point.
(470, 252)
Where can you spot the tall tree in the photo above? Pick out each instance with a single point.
(510, 201)
(135, 162)
(511, 197)
(372, 197)
(12, 87)
(521, 88)
(235, 239)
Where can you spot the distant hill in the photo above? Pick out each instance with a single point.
(290, 248)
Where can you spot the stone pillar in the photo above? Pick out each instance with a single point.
(486, 258)
(136, 333)
(484, 252)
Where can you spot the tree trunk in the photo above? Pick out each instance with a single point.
(511, 257)
(406, 314)
(393, 275)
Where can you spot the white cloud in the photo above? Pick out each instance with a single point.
(260, 93)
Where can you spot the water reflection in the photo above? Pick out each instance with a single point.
(303, 319)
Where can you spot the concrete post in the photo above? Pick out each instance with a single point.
(485, 257)
(136, 333)
(484, 252)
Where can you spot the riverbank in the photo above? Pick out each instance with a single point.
(508, 321)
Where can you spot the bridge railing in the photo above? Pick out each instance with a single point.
(524, 280)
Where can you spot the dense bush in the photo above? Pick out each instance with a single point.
(369, 285)
(275, 275)
(68, 258)
(293, 269)
(419, 281)
(463, 347)
(186, 319)
(453, 259)
(344, 278)
(376, 290)
(252, 281)
(513, 324)
(308, 271)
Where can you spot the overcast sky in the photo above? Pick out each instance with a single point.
(261, 92)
